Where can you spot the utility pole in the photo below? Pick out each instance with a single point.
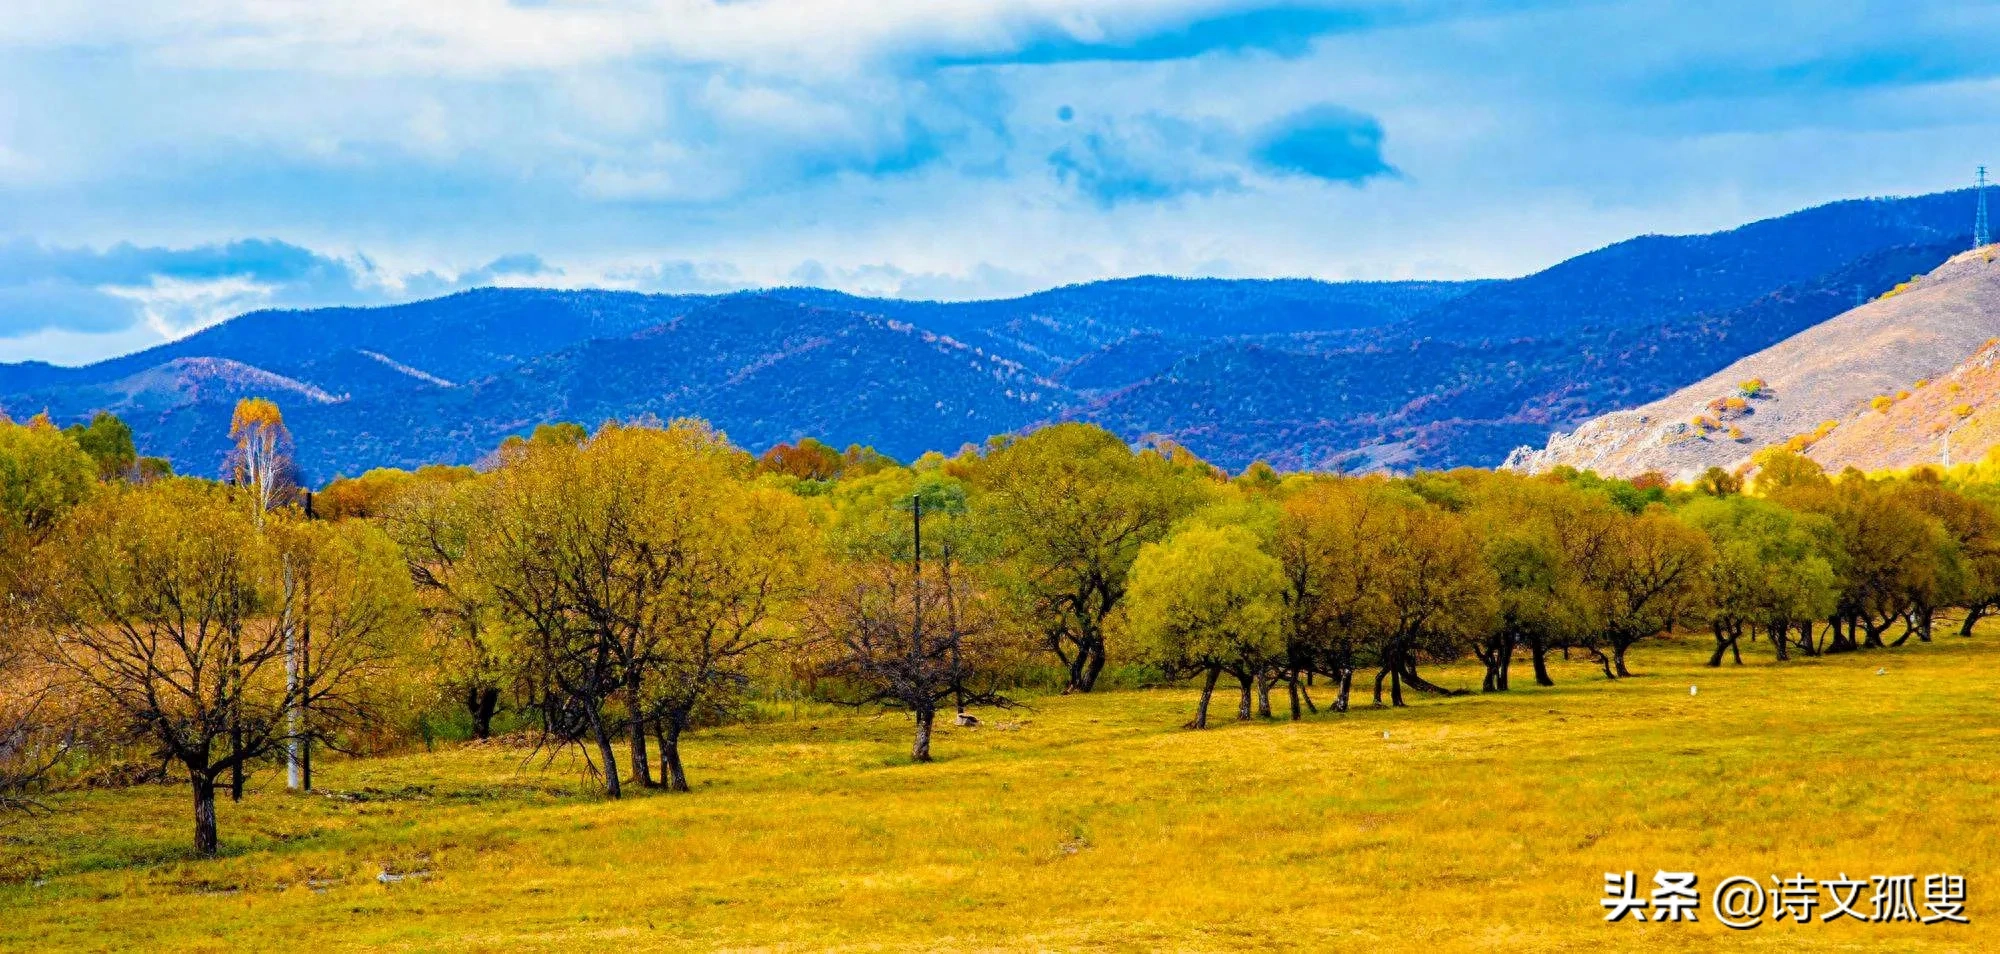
(1980, 236)
(294, 721)
(1945, 458)
(917, 534)
(917, 578)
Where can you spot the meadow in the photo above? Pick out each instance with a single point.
(1093, 822)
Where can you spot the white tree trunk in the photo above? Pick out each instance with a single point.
(294, 723)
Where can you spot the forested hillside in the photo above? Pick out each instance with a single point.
(1300, 373)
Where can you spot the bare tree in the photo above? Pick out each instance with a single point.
(903, 640)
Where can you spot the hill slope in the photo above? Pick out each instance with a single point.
(1954, 419)
(1828, 376)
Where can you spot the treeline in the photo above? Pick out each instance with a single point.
(608, 593)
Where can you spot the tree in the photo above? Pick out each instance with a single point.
(375, 493)
(1769, 571)
(1983, 562)
(34, 731)
(35, 728)
(809, 460)
(1779, 469)
(1440, 594)
(1325, 540)
(753, 559)
(639, 569)
(1072, 506)
(1207, 601)
(108, 441)
(261, 460)
(1892, 557)
(345, 610)
(898, 636)
(1717, 482)
(1968, 557)
(173, 615)
(435, 524)
(556, 434)
(43, 473)
(1533, 533)
(1649, 573)
(1259, 477)
(532, 553)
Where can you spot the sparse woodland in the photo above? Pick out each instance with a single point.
(610, 594)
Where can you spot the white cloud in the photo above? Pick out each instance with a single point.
(177, 307)
(489, 37)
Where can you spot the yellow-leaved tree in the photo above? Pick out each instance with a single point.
(43, 473)
(1070, 507)
(176, 618)
(261, 460)
(637, 572)
(1207, 601)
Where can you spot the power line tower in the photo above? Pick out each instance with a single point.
(1979, 235)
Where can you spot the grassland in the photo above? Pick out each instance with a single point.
(1093, 823)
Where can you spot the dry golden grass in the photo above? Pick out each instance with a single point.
(1093, 823)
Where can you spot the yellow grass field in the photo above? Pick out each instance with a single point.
(1094, 823)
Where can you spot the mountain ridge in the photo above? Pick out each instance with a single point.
(1300, 372)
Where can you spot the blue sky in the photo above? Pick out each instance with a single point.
(166, 165)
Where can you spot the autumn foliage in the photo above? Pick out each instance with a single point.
(607, 595)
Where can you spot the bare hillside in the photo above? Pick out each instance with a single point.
(1954, 419)
(1811, 384)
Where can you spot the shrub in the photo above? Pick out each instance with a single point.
(1751, 388)
(1901, 288)
(1881, 402)
(1962, 411)
(1800, 442)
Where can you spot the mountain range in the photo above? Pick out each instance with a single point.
(1351, 375)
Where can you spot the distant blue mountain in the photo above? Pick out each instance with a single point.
(1351, 374)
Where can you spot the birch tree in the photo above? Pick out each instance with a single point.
(260, 461)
